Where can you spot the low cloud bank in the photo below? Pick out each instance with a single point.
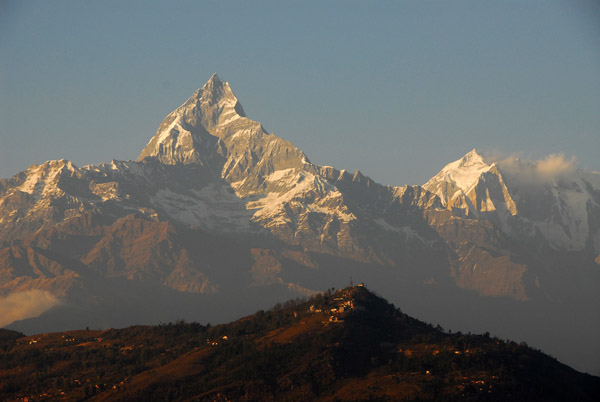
(528, 172)
(556, 165)
(22, 305)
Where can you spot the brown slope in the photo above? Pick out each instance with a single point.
(305, 351)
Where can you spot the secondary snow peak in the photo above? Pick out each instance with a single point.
(458, 175)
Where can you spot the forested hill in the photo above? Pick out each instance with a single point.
(348, 345)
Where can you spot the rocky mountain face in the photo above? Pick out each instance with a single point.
(218, 218)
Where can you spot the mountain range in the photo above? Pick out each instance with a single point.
(218, 218)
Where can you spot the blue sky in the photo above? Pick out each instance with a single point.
(394, 89)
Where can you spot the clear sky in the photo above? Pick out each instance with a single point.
(395, 89)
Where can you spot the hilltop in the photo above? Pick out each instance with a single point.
(348, 345)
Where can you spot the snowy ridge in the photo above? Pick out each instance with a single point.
(459, 175)
(301, 191)
(270, 176)
(574, 209)
(211, 208)
(207, 166)
(524, 197)
(43, 180)
(211, 167)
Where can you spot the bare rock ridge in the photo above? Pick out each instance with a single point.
(217, 208)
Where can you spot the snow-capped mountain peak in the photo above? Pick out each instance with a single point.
(527, 197)
(217, 95)
(458, 176)
(193, 132)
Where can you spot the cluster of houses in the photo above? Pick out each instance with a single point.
(345, 303)
(225, 338)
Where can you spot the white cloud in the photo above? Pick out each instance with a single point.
(527, 172)
(28, 304)
(555, 165)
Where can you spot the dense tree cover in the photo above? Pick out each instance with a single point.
(304, 349)
(8, 338)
